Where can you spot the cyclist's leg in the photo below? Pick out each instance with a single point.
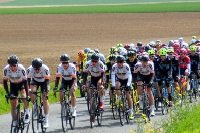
(117, 86)
(63, 86)
(73, 97)
(129, 99)
(101, 92)
(159, 82)
(139, 89)
(13, 102)
(33, 87)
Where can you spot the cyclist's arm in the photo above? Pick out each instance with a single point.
(26, 86)
(5, 85)
(29, 81)
(113, 77)
(129, 76)
(85, 77)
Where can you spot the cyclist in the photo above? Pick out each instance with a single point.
(194, 59)
(16, 74)
(144, 71)
(121, 75)
(68, 72)
(97, 69)
(175, 67)
(79, 61)
(101, 56)
(139, 47)
(131, 61)
(119, 45)
(163, 70)
(184, 64)
(38, 75)
(86, 50)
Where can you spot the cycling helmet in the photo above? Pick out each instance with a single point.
(152, 44)
(113, 50)
(193, 48)
(126, 46)
(64, 57)
(139, 44)
(162, 51)
(197, 41)
(144, 58)
(171, 42)
(95, 57)
(91, 52)
(184, 45)
(131, 45)
(193, 41)
(96, 51)
(176, 45)
(86, 50)
(123, 52)
(120, 58)
(183, 51)
(180, 39)
(158, 42)
(89, 57)
(147, 48)
(133, 49)
(151, 52)
(112, 57)
(170, 50)
(131, 53)
(81, 53)
(37, 63)
(13, 59)
(119, 45)
(194, 37)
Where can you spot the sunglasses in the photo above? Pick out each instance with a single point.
(94, 61)
(170, 54)
(65, 62)
(36, 68)
(13, 65)
(120, 61)
(152, 56)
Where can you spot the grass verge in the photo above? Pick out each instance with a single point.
(132, 8)
(5, 108)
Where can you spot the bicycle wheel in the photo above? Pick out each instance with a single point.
(72, 122)
(126, 109)
(121, 112)
(64, 117)
(35, 118)
(88, 100)
(164, 106)
(191, 91)
(99, 116)
(15, 128)
(25, 125)
(41, 118)
(114, 106)
(146, 107)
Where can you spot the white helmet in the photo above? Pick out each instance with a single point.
(120, 49)
(131, 46)
(184, 45)
(193, 41)
(123, 52)
(180, 40)
(171, 42)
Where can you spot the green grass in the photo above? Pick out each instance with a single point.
(133, 8)
(184, 120)
(5, 108)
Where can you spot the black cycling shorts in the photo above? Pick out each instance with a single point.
(94, 81)
(42, 86)
(144, 78)
(123, 83)
(66, 83)
(162, 75)
(15, 88)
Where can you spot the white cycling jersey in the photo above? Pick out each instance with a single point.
(121, 73)
(95, 71)
(15, 77)
(41, 76)
(67, 74)
(142, 70)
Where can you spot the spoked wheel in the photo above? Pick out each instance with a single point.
(64, 117)
(121, 113)
(26, 127)
(146, 108)
(87, 98)
(99, 116)
(35, 119)
(92, 115)
(72, 122)
(114, 106)
(14, 123)
(126, 111)
(191, 92)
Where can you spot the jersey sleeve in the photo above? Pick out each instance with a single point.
(29, 72)
(5, 73)
(59, 71)
(73, 71)
(47, 73)
(23, 71)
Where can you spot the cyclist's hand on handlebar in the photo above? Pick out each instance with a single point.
(7, 95)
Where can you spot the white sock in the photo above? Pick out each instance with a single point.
(73, 108)
(27, 111)
(140, 97)
(102, 99)
(119, 98)
(131, 110)
(152, 107)
(46, 117)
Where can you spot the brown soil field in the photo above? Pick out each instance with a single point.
(49, 36)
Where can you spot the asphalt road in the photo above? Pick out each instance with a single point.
(82, 120)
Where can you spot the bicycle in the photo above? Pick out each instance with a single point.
(114, 102)
(135, 98)
(37, 114)
(18, 116)
(123, 109)
(66, 113)
(193, 87)
(146, 103)
(182, 83)
(94, 108)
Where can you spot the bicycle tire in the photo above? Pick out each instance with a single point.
(164, 106)
(146, 107)
(88, 100)
(126, 108)
(42, 121)
(93, 103)
(114, 106)
(35, 120)
(72, 122)
(121, 113)
(99, 116)
(64, 117)
(15, 129)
